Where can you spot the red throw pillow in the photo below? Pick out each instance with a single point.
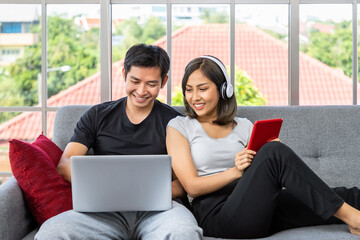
(46, 193)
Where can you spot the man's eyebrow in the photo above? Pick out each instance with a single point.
(137, 79)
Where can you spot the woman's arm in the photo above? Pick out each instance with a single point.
(179, 149)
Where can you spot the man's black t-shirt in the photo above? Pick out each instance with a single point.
(107, 130)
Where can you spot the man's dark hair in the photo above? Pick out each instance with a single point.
(142, 55)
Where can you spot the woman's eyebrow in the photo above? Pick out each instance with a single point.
(199, 85)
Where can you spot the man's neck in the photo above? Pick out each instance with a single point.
(137, 114)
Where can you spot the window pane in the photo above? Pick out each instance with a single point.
(50, 124)
(25, 126)
(133, 24)
(20, 54)
(325, 54)
(197, 30)
(73, 54)
(261, 54)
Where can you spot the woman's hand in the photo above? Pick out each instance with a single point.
(243, 160)
(276, 139)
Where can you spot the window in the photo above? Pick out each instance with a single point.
(261, 54)
(73, 54)
(20, 63)
(132, 24)
(11, 27)
(325, 75)
(199, 30)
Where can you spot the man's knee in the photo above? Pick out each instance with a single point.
(53, 228)
(187, 232)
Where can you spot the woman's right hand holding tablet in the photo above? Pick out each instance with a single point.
(243, 160)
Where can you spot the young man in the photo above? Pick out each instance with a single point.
(135, 124)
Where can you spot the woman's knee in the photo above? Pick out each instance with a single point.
(274, 148)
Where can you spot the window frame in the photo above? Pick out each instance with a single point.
(106, 47)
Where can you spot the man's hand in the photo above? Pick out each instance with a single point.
(177, 189)
(72, 149)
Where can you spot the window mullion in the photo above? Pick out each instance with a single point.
(293, 65)
(43, 81)
(232, 42)
(354, 51)
(105, 51)
(169, 48)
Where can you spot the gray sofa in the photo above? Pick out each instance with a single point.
(326, 137)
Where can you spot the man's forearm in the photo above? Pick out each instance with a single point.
(63, 169)
(177, 189)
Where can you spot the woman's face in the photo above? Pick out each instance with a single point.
(202, 95)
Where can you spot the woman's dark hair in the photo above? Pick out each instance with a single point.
(142, 55)
(226, 109)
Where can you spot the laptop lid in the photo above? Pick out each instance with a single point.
(111, 183)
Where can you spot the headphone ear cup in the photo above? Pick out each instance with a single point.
(226, 91)
(223, 90)
(229, 91)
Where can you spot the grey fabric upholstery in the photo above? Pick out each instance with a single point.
(15, 220)
(326, 137)
(65, 122)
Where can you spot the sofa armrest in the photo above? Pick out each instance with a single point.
(15, 220)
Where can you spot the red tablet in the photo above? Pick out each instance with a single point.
(264, 131)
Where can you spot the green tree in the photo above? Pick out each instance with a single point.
(333, 49)
(210, 15)
(153, 29)
(68, 45)
(9, 95)
(134, 32)
(177, 97)
(245, 91)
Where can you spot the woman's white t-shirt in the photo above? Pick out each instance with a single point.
(211, 155)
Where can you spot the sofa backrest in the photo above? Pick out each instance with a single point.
(65, 121)
(326, 137)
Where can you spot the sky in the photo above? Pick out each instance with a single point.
(254, 12)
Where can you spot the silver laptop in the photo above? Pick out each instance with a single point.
(111, 183)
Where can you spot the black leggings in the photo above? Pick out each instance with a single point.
(277, 192)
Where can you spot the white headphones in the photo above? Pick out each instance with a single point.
(226, 89)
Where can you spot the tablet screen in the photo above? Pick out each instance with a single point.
(264, 131)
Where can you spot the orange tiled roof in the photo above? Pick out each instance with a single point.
(263, 57)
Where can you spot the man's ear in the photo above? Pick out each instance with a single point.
(164, 81)
(123, 73)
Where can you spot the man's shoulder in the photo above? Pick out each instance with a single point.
(108, 105)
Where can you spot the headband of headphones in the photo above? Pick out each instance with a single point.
(226, 89)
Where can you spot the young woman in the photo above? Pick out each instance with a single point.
(236, 192)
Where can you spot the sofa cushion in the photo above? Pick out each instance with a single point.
(34, 164)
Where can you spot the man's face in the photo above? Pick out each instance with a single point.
(143, 85)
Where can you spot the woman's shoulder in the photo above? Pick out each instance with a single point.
(243, 121)
(185, 125)
(181, 120)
